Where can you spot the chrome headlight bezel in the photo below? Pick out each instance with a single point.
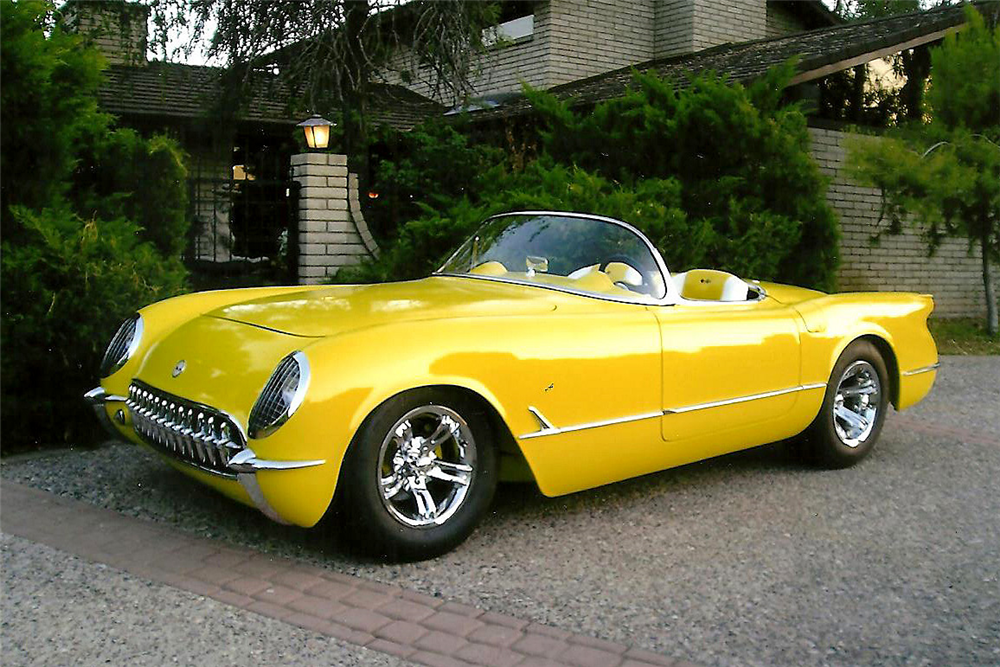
(278, 400)
(122, 346)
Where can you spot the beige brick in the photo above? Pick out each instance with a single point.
(328, 238)
(311, 272)
(322, 170)
(315, 260)
(340, 226)
(324, 214)
(347, 249)
(312, 226)
(310, 159)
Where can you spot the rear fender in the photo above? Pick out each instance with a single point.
(897, 320)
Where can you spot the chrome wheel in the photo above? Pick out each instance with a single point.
(856, 404)
(427, 463)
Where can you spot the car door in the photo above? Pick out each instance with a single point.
(731, 375)
(584, 393)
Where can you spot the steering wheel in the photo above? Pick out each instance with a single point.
(643, 288)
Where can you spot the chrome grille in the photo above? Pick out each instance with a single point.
(274, 401)
(118, 348)
(194, 433)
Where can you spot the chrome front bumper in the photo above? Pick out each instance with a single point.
(97, 398)
(174, 438)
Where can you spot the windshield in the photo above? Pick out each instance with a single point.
(570, 253)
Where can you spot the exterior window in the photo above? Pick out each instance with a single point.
(517, 20)
(517, 28)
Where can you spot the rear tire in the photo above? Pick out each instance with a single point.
(850, 421)
(419, 475)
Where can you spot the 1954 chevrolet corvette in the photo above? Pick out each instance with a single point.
(552, 347)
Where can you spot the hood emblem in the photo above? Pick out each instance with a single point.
(179, 368)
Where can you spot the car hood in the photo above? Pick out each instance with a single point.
(336, 309)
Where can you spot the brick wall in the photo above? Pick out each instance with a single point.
(781, 21)
(674, 27)
(499, 69)
(117, 30)
(717, 22)
(502, 69)
(898, 263)
(588, 37)
(574, 39)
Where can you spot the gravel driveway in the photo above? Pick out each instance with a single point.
(748, 559)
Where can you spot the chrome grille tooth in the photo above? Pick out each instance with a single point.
(195, 439)
(195, 434)
(210, 450)
(198, 446)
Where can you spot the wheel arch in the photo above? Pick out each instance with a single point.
(891, 363)
(511, 457)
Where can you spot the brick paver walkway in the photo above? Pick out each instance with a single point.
(385, 618)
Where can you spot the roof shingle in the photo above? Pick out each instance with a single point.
(175, 90)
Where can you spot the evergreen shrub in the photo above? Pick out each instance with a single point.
(93, 220)
(716, 174)
(67, 285)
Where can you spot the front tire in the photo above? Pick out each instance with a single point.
(854, 408)
(419, 475)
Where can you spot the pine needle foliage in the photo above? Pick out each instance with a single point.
(716, 174)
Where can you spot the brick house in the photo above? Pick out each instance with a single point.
(553, 42)
(586, 50)
(239, 151)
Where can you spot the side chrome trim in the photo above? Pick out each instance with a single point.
(249, 483)
(743, 399)
(925, 369)
(546, 424)
(246, 461)
(550, 429)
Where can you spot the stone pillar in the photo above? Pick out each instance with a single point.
(332, 232)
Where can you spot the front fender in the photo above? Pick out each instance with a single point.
(352, 375)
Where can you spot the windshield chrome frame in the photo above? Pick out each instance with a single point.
(670, 298)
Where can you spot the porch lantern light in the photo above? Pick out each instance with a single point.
(317, 131)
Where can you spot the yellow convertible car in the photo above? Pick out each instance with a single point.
(551, 347)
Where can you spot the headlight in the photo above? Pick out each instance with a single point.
(281, 397)
(122, 346)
